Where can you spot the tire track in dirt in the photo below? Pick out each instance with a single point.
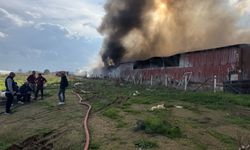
(40, 142)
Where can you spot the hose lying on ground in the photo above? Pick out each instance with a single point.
(85, 121)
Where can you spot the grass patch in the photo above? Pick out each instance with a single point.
(242, 121)
(198, 144)
(94, 145)
(145, 144)
(121, 124)
(4, 145)
(210, 100)
(112, 113)
(131, 111)
(227, 140)
(156, 125)
(194, 109)
(49, 106)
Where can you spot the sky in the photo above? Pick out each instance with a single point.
(49, 34)
(52, 34)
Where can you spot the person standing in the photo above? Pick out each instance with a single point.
(32, 81)
(63, 85)
(9, 84)
(40, 81)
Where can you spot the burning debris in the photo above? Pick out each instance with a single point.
(145, 28)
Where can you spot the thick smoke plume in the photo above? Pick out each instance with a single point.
(139, 29)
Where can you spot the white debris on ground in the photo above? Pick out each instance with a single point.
(158, 107)
(151, 90)
(136, 93)
(179, 107)
(244, 147)
(85, 92)
(76, 84)
(2, 94)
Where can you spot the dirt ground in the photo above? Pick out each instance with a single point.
(202, 130)
(44, 125)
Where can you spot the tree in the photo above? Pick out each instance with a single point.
(20, 70)
(46, 71)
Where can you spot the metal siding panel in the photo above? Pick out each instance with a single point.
(203, 65)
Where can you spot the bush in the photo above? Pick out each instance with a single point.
(156, 125)
(112, 113)
(144, 144)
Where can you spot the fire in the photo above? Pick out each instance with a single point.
(140, 29)
(159, 16)
(110, 62)
(161, 12)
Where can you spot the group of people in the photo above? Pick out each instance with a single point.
(34, 84)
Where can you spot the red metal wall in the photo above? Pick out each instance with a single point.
(245, 62)
(201, 64)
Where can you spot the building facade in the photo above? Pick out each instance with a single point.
(231, 63)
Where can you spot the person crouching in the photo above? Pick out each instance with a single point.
(25, 92)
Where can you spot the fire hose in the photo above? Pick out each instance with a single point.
(85, 121)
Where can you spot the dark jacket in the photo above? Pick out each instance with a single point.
(31, 79)
(64, 82)
(13, 84)
(40, 82)
(25, 89)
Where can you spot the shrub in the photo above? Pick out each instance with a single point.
(112, 113)
(144, 144)
(156, 125)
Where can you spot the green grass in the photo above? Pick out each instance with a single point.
(242, 121)
(145, 144)
(228, 141)
(198, 144)
(210, 100)
(157, 125)
(112, 113)
(21, 78)
(94, 145)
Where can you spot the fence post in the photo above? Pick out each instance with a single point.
(215, 83)
(134, 79)
(166, 80)
(140, 78)
(186, 83)
(151, 80)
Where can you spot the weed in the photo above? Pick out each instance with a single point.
(131, 111)
(112, 113)
(156, 125)
(121, 124)
(145, 144)
(94, 145)
(198, 144)
(4, 145)
(227, 140)
(194, 109)
(47, 104)
(242, 121)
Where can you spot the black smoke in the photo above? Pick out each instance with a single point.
(121, 17)
(140, 29)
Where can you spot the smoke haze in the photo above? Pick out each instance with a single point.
(139, 29)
